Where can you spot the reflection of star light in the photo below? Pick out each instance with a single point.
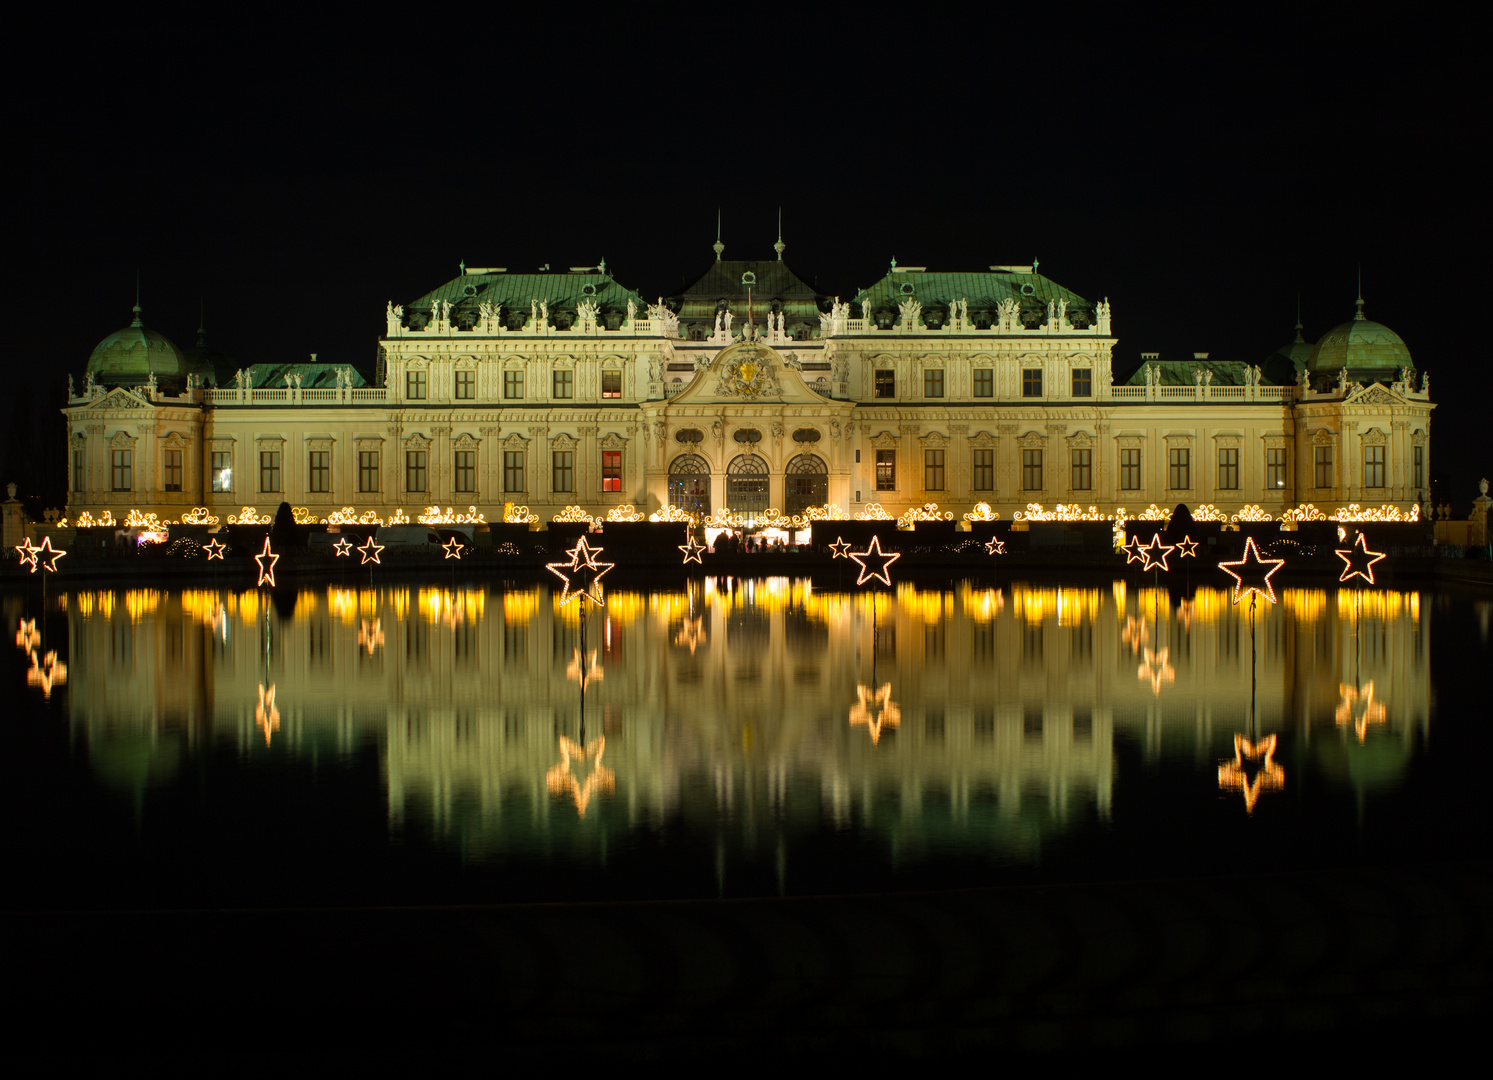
(577, 674)
(1155, 553)
(1232, 775)
(1184, 613)
(48, 554)
(371, 636)
(27, 552)
(453, 548)
(370, 551)
(561, 779)
(690, 634)
(995, 546)
(886, 714)
(1372, 712)
(343, 547)
(1187, 548)
(1358, 560)
(1252, 577)
(692, 548)
(214, 549)
(840, 549)
(1132, 549)
(266, 569)
(874, 562)
(46, 674)
(26, 636)
(1155, 670)
(266, 716)
(1136, 633)
(582, 574)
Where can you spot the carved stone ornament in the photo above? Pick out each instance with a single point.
(749, 372)
(175, 440)
(122, 441)
(416, 441)
(1374, 437)
(120, 399)
(1323, 437)
(1374, 395)
(613, 441)
(885, 441)
(1228, 442)
(465, 441)
(514, 363)
(1080, 440)
(934, 441)
(1031, 441)
(563, 441)
(319, 444)
(1179, 440)
(1418, 437)
(1129, 442)
(515, 442)
(983, 441)
(1275, 442)
(417, 363)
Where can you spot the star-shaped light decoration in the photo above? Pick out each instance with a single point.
(1187, 548)
(27, 637)
(1372, 712)
(343, 547)
(1233, 775)
(453, 548)
(561, 779)
(266, 716)
(47, 673)
(581, 573)
(371, 635)
(1155, 670)
(1132, 549)
(214, 550)
(691, 635)
(48, 554)
(995, 546)
(266, 569)
(27, 552)
(1358, 560)
(875, 709)
(1155, 553)
(874, 562)
(692, 549)
(577, 672)
(840, 549)
(1252, 575)
(370, 551)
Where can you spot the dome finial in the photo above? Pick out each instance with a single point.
(1299, 339)
(201, 323)
(779, 246)
(1360, 314)
(136, 309)
(718, 246)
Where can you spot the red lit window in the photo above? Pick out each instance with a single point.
(611, 470)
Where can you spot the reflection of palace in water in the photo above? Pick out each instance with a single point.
(986, 717)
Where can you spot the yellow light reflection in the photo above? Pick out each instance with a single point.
(875, 709)
(981, 604)
(1234, 775)
(1358, 708)
(519, 607)
(1155, 670)
(47, 672)
(561, 779)
(371, 635)
(266, 715)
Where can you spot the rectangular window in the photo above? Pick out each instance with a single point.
(1083, 382)
(414, 385)
(886, 383)
(222, 470)
(563, 477)
(1228, 470)
(611, 384)
(122, 470)
(1031, 470)
(563, 383)
(1275, 468)
(984, 470)
(269, 470)
(611, 470)
(367, 470)
(414, 470)
(1181, 469)
(984, 382)
(466, 385)
(1322, 467)
(513, 385)
(933, 470)
(1420, 465)
(466, 471)
(1031, 382)
(320, 472)
(933, 385)
(1130, 470)
(513, 470)
(1083, 472)
(886, 470)
(1373, 466)
(78, 469)
(171, 468)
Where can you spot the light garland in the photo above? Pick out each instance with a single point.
(624, 513)
(692, 549)
(828, 512)
(136, 520)
(1064, 512)
(582, 566)
(87, 521)
(1358, 560)
(302, 516)
(1352, 513)
(518, 515)
(886, 712)
(840, 549)
(214, 549)
(1304, 512)
(1209, 512)
(668, 512)
(434, 515)
(369, 550)
(926, 512)
(453, 548)
(249, 516)
(266, 716)
(1187, 548)
(982, 512)
(199, 515)
(1271, 777)
(882, 559)
(1346, 715)
(343, 547)
(575, 515)
(1155, 554)
(873, 512)
(27, 552)
(346, 516)
(1251, 512)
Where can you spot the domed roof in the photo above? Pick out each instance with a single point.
(130, 356)
(1360, 345)
(1281, 366)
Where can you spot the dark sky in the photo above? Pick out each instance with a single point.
(293, 174)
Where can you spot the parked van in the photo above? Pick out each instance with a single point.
(408, 537)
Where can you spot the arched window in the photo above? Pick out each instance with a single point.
(689, 484)
(806, 483)
(746, 484)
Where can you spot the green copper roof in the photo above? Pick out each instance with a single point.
(1360, 345)
(131, 356)
(561, 290)
(1181, 372)
(983, 289)
(313, 376)
(774, 282)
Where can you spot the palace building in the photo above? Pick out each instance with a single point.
(747, 390)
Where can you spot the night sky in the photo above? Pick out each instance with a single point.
(293, 174)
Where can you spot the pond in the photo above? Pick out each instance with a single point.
(734, 737)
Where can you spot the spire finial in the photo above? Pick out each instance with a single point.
(201, 323)
(779, 246)
(137, 321)
(1299, 338)
(718, 246)
(1360, 314)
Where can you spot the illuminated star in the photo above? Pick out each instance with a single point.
(453, 548)
(266, 716)
(1132, 549)
(343, 546)
(27, 552)
(882, 561)
(886, 714)
(1155, 553)
(581, 573)
(840, 549)
(1358, 560)
(1373, 711)
(995, 545)
(561, 779)
(1155, 670)
(266, 569)
(576, 672)
(48, 554)
(370, 551)
(214, 550)
(691, 548)
(690, 634)
(1232, 775)
(26, 636)
(1252, 577)
(1187, 548)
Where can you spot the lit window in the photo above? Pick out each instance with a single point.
(886, 470)
(886, 383)
(171, 468)
(611, 470)
(611, 384)
(222, 471)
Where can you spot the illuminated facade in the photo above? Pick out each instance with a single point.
(746, 391)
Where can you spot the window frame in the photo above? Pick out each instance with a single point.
(1130, 474)
(933, 469)
(1179, 468)
(368, 472)
(562, 465)
(319, 473)
(1031, 382)
(1275, 468)
(611, 470)
(222, 461)
(1373, 466)
(269, 472)
(1081, 468)
(982, 469)
(933, 386)
(121, 470)
(416, 384)
(1418, 459)
(1228, 468)
(1086, 377)
(983, 385)
(78, 470)
(562, 379)
(416, 471)
(611, 384)
(464, 385)
(1031, 469)
(514, 480)
(886, 470)
(1322, 468)
(171, 463)
(884, 383)
(513, 385)
(464, 472)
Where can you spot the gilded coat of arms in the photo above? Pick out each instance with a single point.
(749, 374)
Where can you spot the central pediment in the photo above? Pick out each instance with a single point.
(748, 373)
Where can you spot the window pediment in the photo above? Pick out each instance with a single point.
(1374, 437)
(1323, 437)
(515, 442)
(563, 441)
(885, 441)
(613, 441)
(122, 440)
(984, 441)
(1032, 440)
(466, 441)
